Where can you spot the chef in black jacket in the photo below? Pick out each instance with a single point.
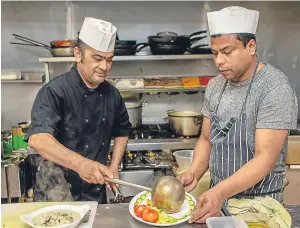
(76, 114)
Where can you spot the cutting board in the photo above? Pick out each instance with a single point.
(10, 213)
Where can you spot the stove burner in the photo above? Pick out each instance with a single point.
(155, 131)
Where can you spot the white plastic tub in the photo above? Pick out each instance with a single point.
(225, 222)
(184, 159)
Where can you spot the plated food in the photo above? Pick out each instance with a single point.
(55, 218)
(66, 216)
(142, 209)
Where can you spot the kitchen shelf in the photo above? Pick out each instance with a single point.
(147, 144)
(159, 144)
(157, 90)
(133, 58)
(23, 81)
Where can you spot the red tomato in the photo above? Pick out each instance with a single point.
(139, 210)
(150, 215)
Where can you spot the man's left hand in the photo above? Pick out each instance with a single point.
(208, 205)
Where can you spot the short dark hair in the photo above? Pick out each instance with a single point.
(244, 37)
(80, 44)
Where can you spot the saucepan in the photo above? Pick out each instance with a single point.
(135, 113)
(58, 48)
(168, 193)
(186, 123)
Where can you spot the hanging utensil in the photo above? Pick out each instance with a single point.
(168, 193)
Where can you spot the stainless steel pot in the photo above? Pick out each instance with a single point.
(186, 123)
(135, 113)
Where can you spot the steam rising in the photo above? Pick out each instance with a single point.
(51, 185)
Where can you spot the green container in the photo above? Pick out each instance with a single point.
(7, 145)
(18, 136)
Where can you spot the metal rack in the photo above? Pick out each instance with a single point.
(158, 90)
(48, 60)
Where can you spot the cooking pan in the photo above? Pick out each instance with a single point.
(167, 49)
(200, 49)
(173, 38)
(124, 43)
(173, 48)
(53, 44)
(130, 51)
(55, 50)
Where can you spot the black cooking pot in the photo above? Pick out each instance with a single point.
(200, 49)
(129, 50)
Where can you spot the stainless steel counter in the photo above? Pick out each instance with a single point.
(118, 216)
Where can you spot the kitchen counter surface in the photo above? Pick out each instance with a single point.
(118, 216)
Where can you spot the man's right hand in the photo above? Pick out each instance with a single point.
(93, 172)
(189, 180)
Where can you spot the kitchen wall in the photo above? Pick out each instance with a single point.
(278, 41)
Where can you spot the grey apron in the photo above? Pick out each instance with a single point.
(230, 151)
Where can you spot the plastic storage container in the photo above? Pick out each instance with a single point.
(184, 159)
(225, 222)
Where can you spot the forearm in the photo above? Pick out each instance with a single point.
(49, 148)
(201, 157)
(118, 151)
(247, 176)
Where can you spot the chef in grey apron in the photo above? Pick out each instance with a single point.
(230, 151)
(247, 107)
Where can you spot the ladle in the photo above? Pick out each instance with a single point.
(168, 193)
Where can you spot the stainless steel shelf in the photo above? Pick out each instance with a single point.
(157, 90)
(146, 144)
(22, 81)
(159, 144)
(133, 58)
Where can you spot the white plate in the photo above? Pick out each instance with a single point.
(82, 210)
(183, 215)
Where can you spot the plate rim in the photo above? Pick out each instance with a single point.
(130, 208)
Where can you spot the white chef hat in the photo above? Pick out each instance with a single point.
(98, 34)
(233, 19)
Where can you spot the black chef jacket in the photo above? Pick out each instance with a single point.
(83, 120)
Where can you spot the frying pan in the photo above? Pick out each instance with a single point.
(65, 50)
(53, 44)
(167, 49)
(200, 49)
(173, 38)
(173, 48)
(130, 50)
(124, 43)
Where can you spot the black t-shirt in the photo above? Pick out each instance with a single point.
(82, 119)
